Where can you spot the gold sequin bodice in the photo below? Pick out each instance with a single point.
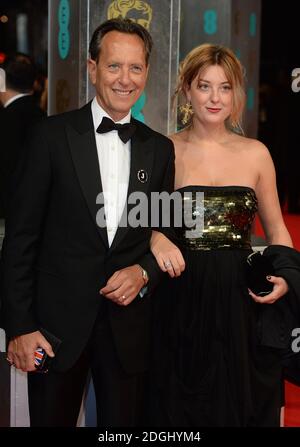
(228, 213)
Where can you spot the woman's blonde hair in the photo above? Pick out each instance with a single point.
(204, 56)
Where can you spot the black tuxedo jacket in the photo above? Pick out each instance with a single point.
(56, 258)
(16, 121)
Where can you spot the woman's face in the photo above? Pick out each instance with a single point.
(211, 96)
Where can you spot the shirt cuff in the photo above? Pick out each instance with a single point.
(143, 291)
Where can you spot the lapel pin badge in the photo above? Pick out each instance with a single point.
(142, 176)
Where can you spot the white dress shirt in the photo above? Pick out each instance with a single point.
(114, 162)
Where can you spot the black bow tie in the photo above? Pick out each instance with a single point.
(125, 131)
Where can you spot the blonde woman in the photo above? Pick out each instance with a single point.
(212, 367)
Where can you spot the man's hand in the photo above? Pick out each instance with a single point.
(124, 285)
(21, 349)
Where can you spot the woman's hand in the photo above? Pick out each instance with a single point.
(280, 288)
(167, 254)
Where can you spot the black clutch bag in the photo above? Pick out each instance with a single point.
(42, 361)
(257, 268)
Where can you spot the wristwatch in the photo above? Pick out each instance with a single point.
(145, 275)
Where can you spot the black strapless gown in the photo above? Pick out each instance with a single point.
(209, 368)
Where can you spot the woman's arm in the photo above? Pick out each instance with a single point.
(271, 217)
(268, 202)
(167, 254)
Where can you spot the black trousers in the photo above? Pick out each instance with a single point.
(55, 397)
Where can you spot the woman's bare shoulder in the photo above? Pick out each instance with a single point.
(178, 137)
(251, 145)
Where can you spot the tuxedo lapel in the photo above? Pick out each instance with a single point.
(83, 148)
(141, 164)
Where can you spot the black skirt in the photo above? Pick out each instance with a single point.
(209, 368)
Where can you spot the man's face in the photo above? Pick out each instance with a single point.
(120, 74)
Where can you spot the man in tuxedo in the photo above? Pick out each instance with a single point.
(88, 285)
(19, 112)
